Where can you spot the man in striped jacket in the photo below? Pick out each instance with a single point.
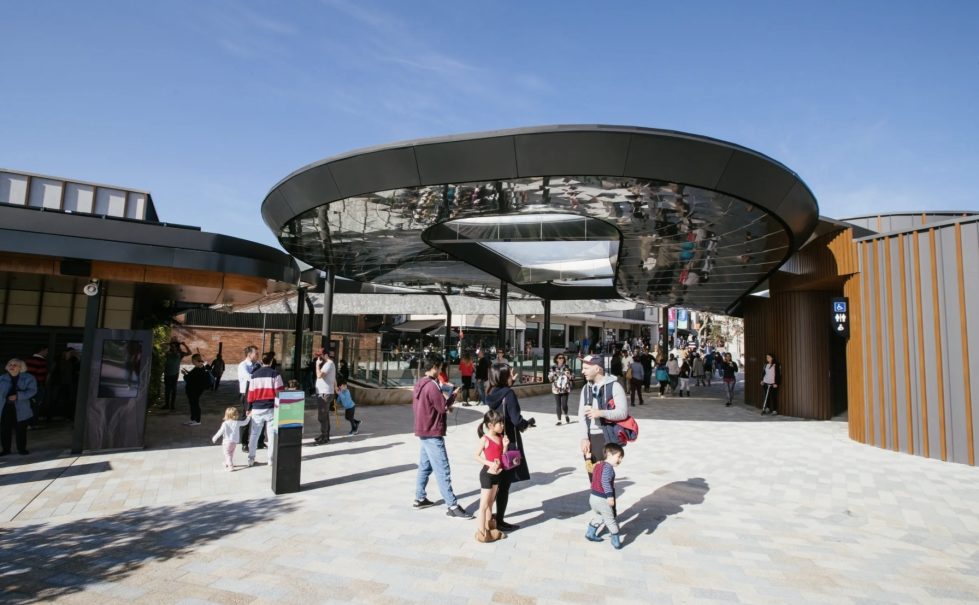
(263, 386)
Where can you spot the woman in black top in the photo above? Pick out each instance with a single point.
(729, 373)
(500, 397)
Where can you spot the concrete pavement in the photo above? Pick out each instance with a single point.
(717, 505)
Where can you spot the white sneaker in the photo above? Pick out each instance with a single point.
(193, 423)
(251, 462)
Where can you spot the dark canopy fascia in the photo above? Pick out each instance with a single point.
(74, 236)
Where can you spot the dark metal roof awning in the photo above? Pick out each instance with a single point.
(418, 326)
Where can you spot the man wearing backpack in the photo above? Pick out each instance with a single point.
(603, 401)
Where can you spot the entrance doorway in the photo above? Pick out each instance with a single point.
(837, 374)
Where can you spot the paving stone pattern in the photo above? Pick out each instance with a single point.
(717, 505)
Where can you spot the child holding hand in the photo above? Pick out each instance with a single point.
(492, 443)
(230, 435)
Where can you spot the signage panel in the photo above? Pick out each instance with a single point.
(840, 316)
(289, 409)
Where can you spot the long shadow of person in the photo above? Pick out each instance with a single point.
(565, 506)
(644, 516)
(537, 479)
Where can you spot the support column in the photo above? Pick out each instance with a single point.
(85, 370)
(664, 323)
(545, 337)
(447, 339)
(328, 288)
(297, 349)
(501, 330)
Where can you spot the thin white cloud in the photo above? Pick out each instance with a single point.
(376, 18)
(267, 24)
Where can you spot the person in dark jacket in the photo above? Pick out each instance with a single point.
(196, 381)
(217, 371)
(500, 397)
(770, 380)
(729, 373)
(482, 374)
(430, 409)
(647, 368)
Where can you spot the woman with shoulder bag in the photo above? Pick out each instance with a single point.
(561, 379)
(501, 398)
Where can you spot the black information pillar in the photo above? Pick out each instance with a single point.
(288, 458)
(288, 449)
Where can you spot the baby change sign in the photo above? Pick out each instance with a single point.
(289, 407)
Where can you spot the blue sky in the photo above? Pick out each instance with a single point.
(208, 103)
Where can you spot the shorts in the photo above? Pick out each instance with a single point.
(488, 480)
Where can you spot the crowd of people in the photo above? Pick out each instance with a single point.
(604, 400)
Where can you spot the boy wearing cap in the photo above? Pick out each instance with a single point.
(596, 408)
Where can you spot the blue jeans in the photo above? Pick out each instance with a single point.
(480, 390)
(434, 458)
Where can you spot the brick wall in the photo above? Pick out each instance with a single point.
(234, 340)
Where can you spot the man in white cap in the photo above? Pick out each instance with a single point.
(603, 402)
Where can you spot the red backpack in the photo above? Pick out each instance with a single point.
(623, 431)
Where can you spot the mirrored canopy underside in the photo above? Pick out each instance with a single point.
(555, 236)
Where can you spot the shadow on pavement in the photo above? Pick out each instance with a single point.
(380, 472)
(54, 473)
(645, 516)
(352, 450)
(564, 506)
(43, 562)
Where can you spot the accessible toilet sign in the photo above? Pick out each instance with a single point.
(841, 317)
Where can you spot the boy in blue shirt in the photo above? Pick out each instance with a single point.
(347, 401)
(602, 498)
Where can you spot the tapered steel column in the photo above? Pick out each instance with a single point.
(297, 348)
(545, 337)
(501, 330)
(328, 288)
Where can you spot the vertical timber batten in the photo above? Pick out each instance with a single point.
(920, 323)
(889, 284)
(939, 362)
(964, 326)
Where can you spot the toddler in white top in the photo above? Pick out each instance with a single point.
(229, 435)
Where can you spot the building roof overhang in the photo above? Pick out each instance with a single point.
(183, 264)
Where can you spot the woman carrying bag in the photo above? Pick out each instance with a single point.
(502, 399)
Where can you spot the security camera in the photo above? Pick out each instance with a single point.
(91, 288)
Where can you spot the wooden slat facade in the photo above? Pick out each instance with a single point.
(914, 297)
(909, 374)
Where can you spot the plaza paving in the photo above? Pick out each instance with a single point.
(717, 505)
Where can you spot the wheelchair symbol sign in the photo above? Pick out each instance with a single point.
(839, 307)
